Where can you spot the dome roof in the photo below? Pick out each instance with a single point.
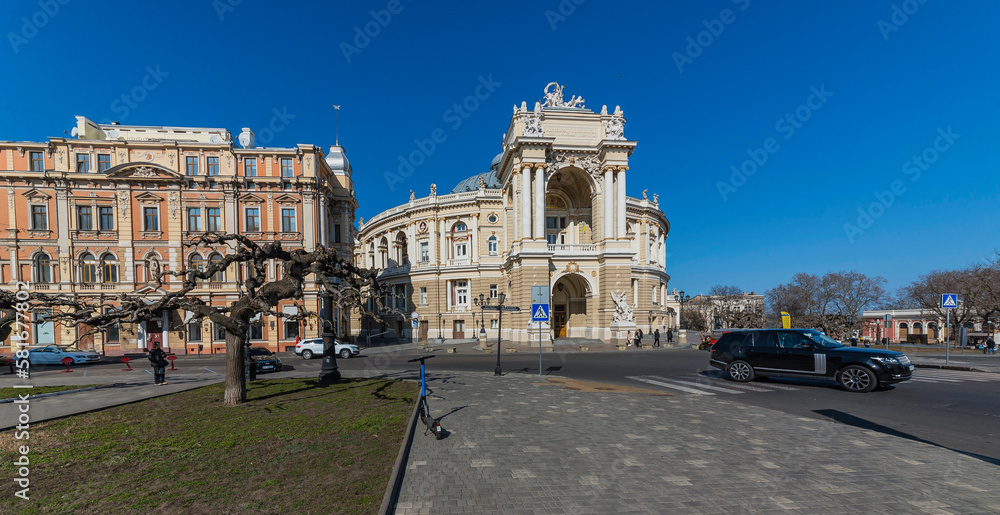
(472, 183)
(337, 160)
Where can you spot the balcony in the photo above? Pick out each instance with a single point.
(561, 250)
(460, 262)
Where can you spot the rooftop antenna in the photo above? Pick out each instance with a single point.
(336, 123)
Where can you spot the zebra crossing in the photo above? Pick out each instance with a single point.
(714, 382)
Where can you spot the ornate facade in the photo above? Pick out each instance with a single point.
(106, 211)
(551, 211)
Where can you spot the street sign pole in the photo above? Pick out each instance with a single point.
(539, 298)
(949, 301)
(947, 348)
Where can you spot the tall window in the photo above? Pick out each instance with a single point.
(37, 161)
(250, 167)
(197, 264)
(191, 165)
(82, 163)
(214, 219)
(151, 219)
(461, 249)
(423, 295)
(554, 230)
(425, 253)
(39, 217)
(107, 215)
(212, 166)
(220, 275)
(109, 264)
(287, 169)
(84, 218)
(194, 219)
(461, 293)
(88, 269)
(336, 233)
(493, 291)
(194, 331)
(493, 247)
(103, 162)
(257, 329)
(252, 220)
(218, 333)
(43, 269)
(288, 220)
(112, 333)
(291, 329)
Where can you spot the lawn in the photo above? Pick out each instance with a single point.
(294, 447)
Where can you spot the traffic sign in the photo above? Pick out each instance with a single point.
(949, 300)
(539, 312)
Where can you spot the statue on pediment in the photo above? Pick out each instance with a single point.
(554, 98)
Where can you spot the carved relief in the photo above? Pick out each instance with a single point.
(533, 123)
(174, 202)
(615, 128)
(144, 171)
(623, 313)
(123, 202)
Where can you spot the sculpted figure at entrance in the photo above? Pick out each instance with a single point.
(623, 313)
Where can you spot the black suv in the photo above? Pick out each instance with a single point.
(807, 353)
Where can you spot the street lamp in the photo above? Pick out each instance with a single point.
(498, 371)
(482, 301)
(682, 299)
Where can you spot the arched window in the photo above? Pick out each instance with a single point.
(459, 241)
(459, 227)
(43, 269)
(88, 269)
(197, 264)
(493, 246)
(220, 275)
(109, 265)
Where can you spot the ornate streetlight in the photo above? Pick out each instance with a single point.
(482, 302)
(498, 371)
(682, 299)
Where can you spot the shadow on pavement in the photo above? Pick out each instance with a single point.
(851, 420)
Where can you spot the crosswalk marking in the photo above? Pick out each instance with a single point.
(667, 385)
(692, 383)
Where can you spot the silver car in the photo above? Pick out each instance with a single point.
(54, 354)
(314, 347)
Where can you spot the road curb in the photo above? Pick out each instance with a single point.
(952, 367)
(396, 478)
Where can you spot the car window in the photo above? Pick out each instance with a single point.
(259, 351)
(791, 339)
(765, 339)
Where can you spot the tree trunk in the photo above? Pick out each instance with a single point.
(236, 388)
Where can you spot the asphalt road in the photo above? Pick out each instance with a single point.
(956, 410)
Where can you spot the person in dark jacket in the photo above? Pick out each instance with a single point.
(158, 359)
(656, 337)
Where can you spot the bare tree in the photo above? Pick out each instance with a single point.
(693, 318)
(351, 285)
(926, 292)
(731, 308)
(852, 292)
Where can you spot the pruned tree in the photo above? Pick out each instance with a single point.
(734, 309)
(351, 286)
(851, 293)
(693, 319)
(926, 292)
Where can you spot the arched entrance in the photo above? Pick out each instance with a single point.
(569, 307)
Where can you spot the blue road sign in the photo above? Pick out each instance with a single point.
(539, 312)
(949, 300)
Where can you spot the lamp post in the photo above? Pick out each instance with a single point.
(682, 299)
(498, 371)
(482, 301)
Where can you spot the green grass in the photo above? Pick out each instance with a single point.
(13, 393)
(294, 447)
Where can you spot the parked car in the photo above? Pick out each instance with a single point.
(806, 353)
(54, 354)
(265, 360)
(314, 347)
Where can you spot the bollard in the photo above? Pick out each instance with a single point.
(67, 361)
(171, 359)
(126, 360)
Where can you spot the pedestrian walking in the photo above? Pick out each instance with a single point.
(670, 335)
(158, 359)
(991, 345)
(656, 337)
(628, 339)
(638, 337)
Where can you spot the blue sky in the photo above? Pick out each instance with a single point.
(869, 85)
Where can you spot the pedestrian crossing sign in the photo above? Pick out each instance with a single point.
(539, 312)
(949, 300)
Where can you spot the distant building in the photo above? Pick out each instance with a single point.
(727, 311)
(550, 211)
(101, 213)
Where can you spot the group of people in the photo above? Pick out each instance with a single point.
(636, 338)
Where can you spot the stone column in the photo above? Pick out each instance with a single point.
(432, 242)
(308, 221)
(474, 236)
(445, 251)
(620, 203)
(607, 201)
(539, 201)
(514, 226)
(525, 201)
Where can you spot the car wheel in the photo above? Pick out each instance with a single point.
(741, 371)
(307, 354)
(346, 353)
(856, 378)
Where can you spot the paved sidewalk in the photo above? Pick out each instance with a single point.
(518, 444)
